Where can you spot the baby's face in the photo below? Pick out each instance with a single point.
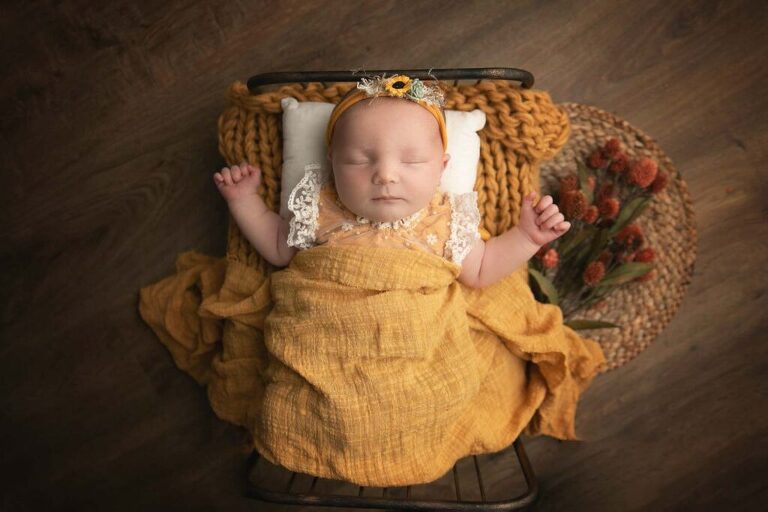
(386, 147)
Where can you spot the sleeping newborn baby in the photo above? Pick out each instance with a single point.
(376, 366)
(387, 155)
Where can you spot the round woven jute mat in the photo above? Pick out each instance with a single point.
(642, 309)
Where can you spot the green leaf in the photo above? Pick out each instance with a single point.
(589, 324)
(598, 244)
(575, 240)
(625, 272)
(545, 285)
(583, 183)
(640, 207)
(629, 213)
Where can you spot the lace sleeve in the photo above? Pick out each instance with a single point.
(465, 223)
(302, 203)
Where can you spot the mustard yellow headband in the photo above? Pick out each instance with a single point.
(431, 97)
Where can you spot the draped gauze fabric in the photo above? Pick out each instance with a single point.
(371, 365)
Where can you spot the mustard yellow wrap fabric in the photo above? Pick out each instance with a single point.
(371, 365)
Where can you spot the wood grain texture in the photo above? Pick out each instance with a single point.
(108, 141)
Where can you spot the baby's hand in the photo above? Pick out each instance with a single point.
(239, 182)
(543, 223)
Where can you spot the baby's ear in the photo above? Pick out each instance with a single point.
(446, 157)
(330, 156)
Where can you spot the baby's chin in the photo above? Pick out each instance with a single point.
(389, 212)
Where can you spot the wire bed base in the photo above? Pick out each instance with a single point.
(260, 491)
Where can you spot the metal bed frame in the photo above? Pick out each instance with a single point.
(260, 491)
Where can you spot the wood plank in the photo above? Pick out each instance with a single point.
(108, 139)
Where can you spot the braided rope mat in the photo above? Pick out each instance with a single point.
(642, 309)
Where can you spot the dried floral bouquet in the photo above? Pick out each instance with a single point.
(604, 248)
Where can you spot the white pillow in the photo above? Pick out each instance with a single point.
(304, 125)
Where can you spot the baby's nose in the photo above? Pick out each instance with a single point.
(385, 175)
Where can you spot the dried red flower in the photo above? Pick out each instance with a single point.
(643, 172)
(645, 254)
(606, 190)
(660, 182)
(591, 214)
(630, 236)
(619, 163)
(574, 204)
(612, 147)
(550, 259)
(609, 207)
(567, 183)
(594, 272)
(596, 159)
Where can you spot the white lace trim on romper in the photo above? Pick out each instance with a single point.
(465, 221)
(302, 202)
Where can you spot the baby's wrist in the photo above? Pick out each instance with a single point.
(525, 241)
(246, 202)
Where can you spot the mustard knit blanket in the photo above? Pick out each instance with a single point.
(371, 365)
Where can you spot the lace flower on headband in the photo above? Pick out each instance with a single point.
(403, 86)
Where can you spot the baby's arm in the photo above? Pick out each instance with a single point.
(265, 229)
(490, 261)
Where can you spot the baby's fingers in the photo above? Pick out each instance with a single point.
(543, 203)
(553, 221)
(227, 175)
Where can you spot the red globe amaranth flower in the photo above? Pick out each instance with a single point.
(647, 276)
(570, 182)
(594, 272)
(645, 254)
(606, 190)
(574, 205)
(605, 257)
(596, 159)
(643, 172)
(542, 250)
(619, 164)
(550, 259)
(609, 207)
(630, 236)
(660, 182)
(591, 182)
(612, 147)
(591, 214)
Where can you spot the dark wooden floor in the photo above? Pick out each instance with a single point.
(109, 114)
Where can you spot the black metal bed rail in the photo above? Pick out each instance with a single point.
(253, 490)
(280, 77)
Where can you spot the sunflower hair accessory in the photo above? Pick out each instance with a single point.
(429, 96)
